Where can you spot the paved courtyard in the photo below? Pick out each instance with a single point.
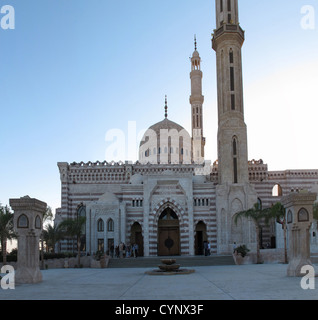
(247, 282)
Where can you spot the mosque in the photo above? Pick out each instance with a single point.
(173, 200)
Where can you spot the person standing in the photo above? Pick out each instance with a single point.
(121, 249)
(205, 244)
(137, 250)
(209, 249)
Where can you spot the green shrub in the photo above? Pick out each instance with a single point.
(243, 250)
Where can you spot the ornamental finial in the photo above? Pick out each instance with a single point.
(166, 108)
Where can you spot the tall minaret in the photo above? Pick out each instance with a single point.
(234, 193)
(227, 41)
(196, 101)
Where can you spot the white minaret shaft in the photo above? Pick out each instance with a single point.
(227, 42)
(196, 101)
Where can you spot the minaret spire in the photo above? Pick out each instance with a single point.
(166, 107)
(196, 101)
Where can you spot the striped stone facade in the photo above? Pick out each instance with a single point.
(134, 193)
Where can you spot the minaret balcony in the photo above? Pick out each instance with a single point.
(228, 29)
(196, 99)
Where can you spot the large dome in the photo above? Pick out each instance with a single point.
(165, 124)
(165, 142)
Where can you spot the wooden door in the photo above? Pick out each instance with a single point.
(169, 241)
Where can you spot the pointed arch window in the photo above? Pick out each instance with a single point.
(110, 225)
(100, 225)
(23, 221)
(81, 210)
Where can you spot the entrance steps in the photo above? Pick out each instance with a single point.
(184, 261)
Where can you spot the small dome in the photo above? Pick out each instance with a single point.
(196, 54)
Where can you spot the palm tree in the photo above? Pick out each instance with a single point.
(74, 228)
(257, 214)
(47, 216)
(51, 235)
(277, 212)
(6, 230)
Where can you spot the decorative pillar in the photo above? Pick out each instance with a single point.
(123, 222)
(27, 219)
(299, 211)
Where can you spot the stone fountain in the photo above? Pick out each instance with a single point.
(169, 267)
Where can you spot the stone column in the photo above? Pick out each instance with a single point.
(299, 211)
(123, 222)
(27, 219)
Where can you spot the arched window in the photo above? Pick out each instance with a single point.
(110, 225)
(38, 222)
(277, 191)
(100, 225)
(303, 215)
(81, 211)
(23, 221)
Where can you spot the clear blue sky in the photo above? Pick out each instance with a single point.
(71, 70)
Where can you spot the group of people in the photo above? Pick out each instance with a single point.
(124, 251)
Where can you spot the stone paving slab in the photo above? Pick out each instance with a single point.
(247, 282)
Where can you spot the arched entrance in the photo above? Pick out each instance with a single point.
(168, 234)
(136, 237)
(200, 238)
